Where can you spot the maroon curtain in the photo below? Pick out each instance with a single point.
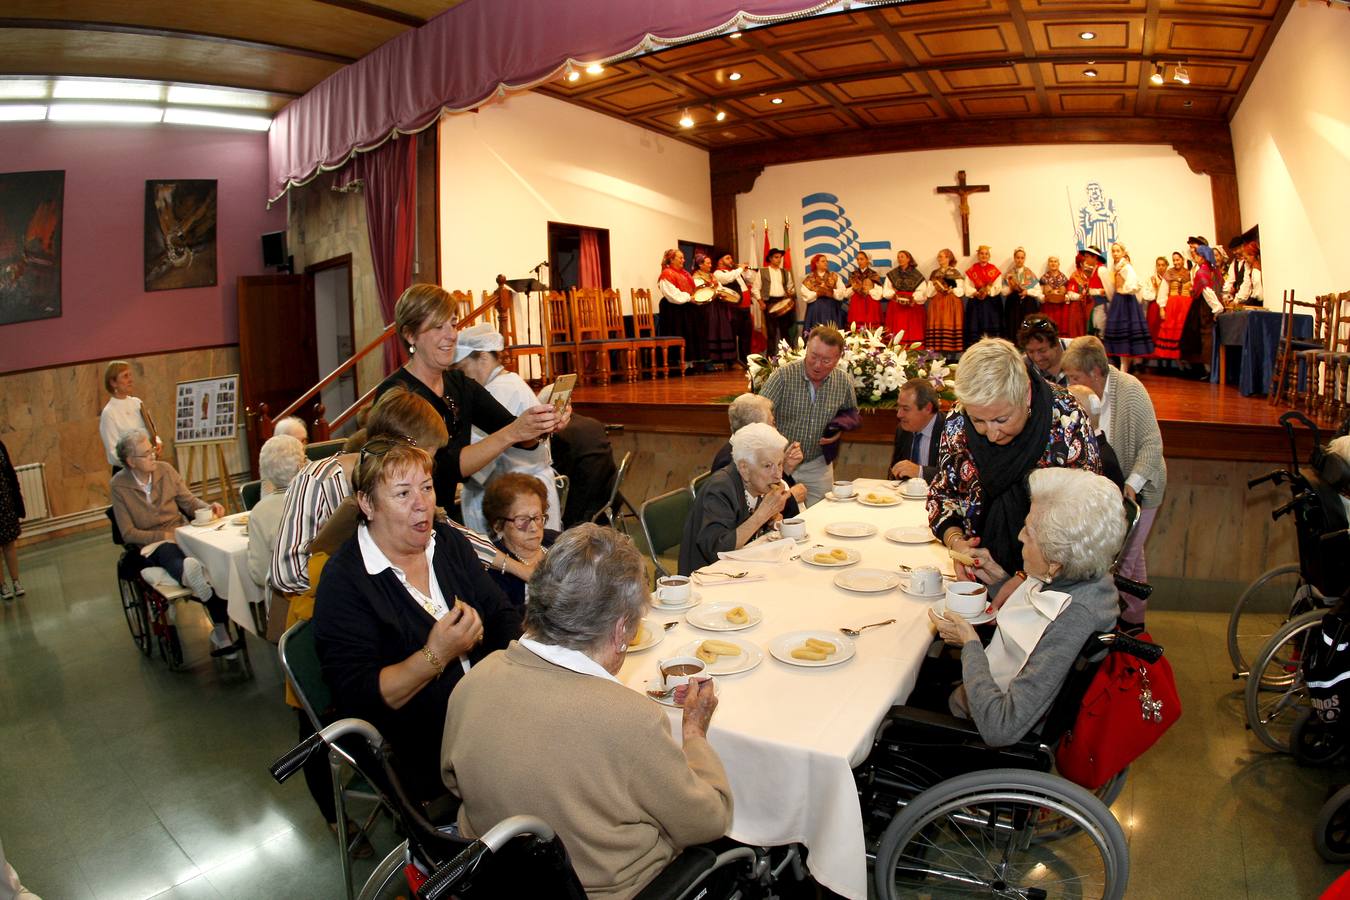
(390, 176)
(588, 267)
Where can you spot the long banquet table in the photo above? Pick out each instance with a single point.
(222, 548)
(790, 736)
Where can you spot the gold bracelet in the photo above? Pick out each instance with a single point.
(433, 659)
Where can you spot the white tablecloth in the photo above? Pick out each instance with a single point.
(224, 553)
(789, 736)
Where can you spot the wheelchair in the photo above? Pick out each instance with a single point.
(948, 815)
(1286, 592)
(521, 856)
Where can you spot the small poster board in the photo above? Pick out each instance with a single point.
(205, 410)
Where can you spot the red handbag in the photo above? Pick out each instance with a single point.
(1127, 707)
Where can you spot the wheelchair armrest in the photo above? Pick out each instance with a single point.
(928, 727)
(684, 870)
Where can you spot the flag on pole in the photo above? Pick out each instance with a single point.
(787, 247)
(764, 257)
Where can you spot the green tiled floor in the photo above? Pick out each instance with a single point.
(120, 779)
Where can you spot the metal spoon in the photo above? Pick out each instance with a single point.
(670, 625)
(727, 574)
(854, 632)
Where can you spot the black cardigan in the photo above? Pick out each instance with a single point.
(719, 509)
(363, 623)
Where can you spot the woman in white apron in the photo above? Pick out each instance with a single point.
(476, 355)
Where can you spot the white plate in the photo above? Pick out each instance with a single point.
(868, 581)
(893, 501)
(654, 684)
(939, 606)
(809, 557)
(750, 657)
(941, 592)
(851, 529)
(656, 634)
(911, 495)
(829, 495)
(695, 598)
(215, 521)
(713, 617)
(912, 534)
(782, 646)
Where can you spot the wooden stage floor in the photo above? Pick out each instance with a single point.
(1198, 420)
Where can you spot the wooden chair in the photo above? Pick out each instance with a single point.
(592, 334)
(1310, 354)
(464, 304)
(1284, 380)
(563, 355)
(644, 327)
(504, 317)
(611, 307)
(1332, 401)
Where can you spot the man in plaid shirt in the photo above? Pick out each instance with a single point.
(807, 395)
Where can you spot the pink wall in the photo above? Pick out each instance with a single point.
(105, 311)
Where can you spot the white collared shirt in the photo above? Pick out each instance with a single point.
(567, 658)
(376, 562)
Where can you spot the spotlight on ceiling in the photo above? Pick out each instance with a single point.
(594, 69)
(1089, 73)
(1157, 76)
(571, 74)
(686, 120)
(1181, 75)
(1087, 35)
(734, 34)
(734, 76)
(721, 115)
(776, 101)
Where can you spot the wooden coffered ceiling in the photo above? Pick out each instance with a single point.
(947, 62)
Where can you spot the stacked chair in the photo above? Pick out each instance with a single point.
(1313, 375)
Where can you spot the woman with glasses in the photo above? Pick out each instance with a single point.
(516, 507)
(1010, 423)
(426, 322)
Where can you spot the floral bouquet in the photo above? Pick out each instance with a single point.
(877, 366)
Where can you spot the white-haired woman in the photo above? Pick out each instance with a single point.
(1073, 530)
(1131, 427)
(745, 410)
(477, 355)
(546, 729)
(740, 502)
(1010, 423)
(281, 457)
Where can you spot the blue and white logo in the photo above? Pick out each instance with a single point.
(828, 229)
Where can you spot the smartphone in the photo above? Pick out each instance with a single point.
(562, 392)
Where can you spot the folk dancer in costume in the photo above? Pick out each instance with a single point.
(1052, 289)
(708, 291)
(1126, 328)
(737, 280)
(1152, 297)
(1019, 294)
(776, 292)
(905, 314)
(1250, 289)
(944, 331)
(866, 291)
(1175, 308)
(680, 316)
(823, 291)
(1100, 288)
(984, 304)
(1080, 295)
(1197, 335)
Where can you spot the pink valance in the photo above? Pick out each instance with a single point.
(481, 49)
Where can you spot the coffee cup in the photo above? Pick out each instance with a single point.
(202, 516)
(968, 598)
(793, 528)
(680, 670)
(926, 580)
(843, 489)
(673, 590)
(915, 487)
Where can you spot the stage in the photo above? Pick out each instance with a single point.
(1198, 420)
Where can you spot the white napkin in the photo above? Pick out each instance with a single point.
(715, 578)
(1022, 620)
(769, 551)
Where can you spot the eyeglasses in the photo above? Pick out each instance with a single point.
(382, 445)
(1039, 326)
(523, 523)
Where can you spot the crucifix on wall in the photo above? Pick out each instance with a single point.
(963, 190)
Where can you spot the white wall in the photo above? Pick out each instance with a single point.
(514, 166)
(1033, 191)
(1291, 140)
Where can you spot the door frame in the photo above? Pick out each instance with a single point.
(334, 263)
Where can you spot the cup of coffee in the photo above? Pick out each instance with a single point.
(680, 670)
(926, 580)
(672, 590)
(915, 487)
(793, 528)
(843, 489)
(969, 598)
(202, 516)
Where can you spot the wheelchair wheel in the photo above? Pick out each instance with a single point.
(975, 834)
(1056, 826)
(138, 620)
(1314, 742)
(170, 647)
(1331, 834)
(1268, 602)
(1275, 694)
(387, 881)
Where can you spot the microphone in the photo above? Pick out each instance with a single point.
(542, 265)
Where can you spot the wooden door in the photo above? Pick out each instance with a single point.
(278, 359)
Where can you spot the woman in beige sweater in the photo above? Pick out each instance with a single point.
(544, 728)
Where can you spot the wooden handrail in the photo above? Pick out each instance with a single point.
(336, 373)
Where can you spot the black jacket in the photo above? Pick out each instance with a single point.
(722, 459)
(363, 623)
(904, 443)
(710, 529)
(582, 452)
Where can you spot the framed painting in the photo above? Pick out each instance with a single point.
(180, 234)
(30, 245)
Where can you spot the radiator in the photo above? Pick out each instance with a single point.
(33, 486)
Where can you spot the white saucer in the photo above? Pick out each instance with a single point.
(939, 594)
(851, 529)
(939, 606)
(777, 536)
(922, 495)
(656, 633)
(830, 496)
(713, 617)
(749, 657)
(653, 683)
(912, 534)
(867, 581)
(695, 598)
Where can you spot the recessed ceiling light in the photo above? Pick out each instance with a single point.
(1090, 73)
(1087, 35)
(103, 112)
(1181, 75)
(594, 69)
(776, 100)
(721, 115)
(22, 112)
(734, 76)
(1157, 76)
(734, 34)
(216, 119)
(686, 120)
(573, 76)
(1187, 103)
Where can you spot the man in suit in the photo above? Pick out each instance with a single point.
(916, 440)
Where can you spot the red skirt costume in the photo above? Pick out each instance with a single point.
(1167, 345)
(1054, 306)
(1078, 311)
(864, 311)
(904, 316)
